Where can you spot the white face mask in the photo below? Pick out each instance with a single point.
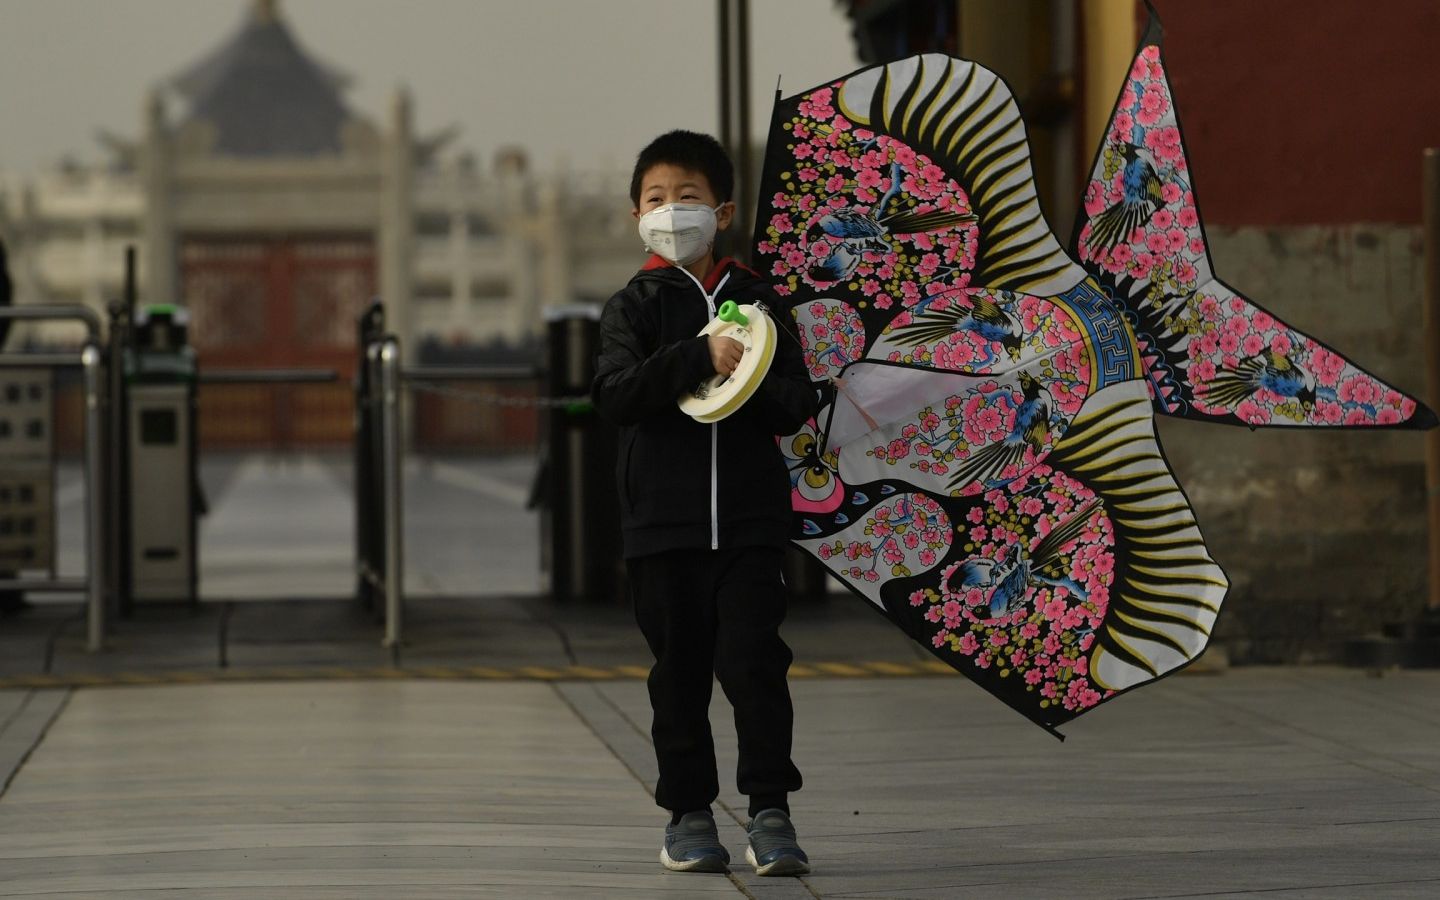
(680, 232)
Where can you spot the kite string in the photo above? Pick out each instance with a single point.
(834, 379)
(845, 392)
(569, 403)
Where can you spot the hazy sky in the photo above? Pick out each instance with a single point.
(588, 79)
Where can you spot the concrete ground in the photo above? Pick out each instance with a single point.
(1274, 783)
(266, 746)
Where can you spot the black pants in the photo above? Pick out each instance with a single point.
(716, 611)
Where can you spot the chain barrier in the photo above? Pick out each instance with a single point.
(576, 404)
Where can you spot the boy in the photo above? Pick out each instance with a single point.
(705, 509)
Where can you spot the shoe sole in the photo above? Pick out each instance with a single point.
(784, 865)
(703, 864)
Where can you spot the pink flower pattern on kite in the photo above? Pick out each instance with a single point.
(903, 536)
(832, 336)
(1240, 360)
(1247, 362)
(1045, 640)
(840, 169)
(942, 436)
(1168, 249)
(1046, 333)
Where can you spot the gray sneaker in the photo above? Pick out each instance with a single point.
(693, 845)
(773, 849)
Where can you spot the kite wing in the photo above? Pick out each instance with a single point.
(1210, 353)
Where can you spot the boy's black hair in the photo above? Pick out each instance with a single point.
(691, 151)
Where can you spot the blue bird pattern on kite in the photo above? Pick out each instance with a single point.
(984, 470)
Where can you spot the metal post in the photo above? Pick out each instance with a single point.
(120, 598)
(117, 421)
(370, 477)
(369, 327)
(722, 54)
(744, 174)
(577, 376)
(94, 506)
(733, 50)
(1431, 202)
(392, 442)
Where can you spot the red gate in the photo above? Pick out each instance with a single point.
(276, 303)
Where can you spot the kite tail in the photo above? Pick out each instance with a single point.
(1181, 312)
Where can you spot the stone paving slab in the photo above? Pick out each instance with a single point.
(280, 526)
(24, 717)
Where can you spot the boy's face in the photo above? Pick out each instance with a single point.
(663, 184)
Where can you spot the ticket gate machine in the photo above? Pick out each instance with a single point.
(163, 475)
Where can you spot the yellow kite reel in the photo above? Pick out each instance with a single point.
(720, 395)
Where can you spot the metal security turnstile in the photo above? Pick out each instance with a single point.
(160, 376)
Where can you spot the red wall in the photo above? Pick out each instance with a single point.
(1305, 111)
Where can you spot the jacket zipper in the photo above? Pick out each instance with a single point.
(714, 426)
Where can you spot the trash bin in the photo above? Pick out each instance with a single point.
(580, 512)
(160, 378)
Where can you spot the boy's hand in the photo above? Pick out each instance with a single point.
(725, 354)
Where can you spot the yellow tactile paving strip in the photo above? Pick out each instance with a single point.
(917, 669)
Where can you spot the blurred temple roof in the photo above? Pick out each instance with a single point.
(263, 94)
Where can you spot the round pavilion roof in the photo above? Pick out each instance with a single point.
(263, 94)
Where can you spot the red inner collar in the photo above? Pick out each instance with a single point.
(712, 278)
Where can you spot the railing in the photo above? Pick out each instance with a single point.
(392, 445)
(90, 359)
(268, 376)
(380, 446)
(272, 409)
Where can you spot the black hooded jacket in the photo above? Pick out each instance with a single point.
(684, 484)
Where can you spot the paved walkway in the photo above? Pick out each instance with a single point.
(1269, 783)
(505, 753)
(282, 526)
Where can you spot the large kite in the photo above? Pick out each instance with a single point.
(984, 468)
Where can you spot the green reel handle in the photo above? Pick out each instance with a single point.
(730, 312)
